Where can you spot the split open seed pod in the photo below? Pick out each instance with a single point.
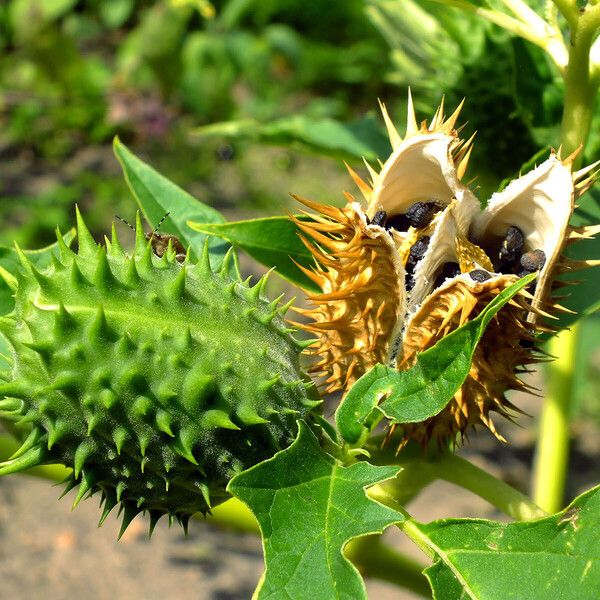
(419, 258)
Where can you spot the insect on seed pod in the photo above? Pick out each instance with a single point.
(387, 297)
(162, 242)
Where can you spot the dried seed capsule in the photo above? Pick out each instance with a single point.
(512, 244)
(533, 261)
(449, 271)
(420, 214)
(417, 251)
(479, 275)
(379, 218)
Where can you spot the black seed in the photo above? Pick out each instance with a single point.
(397, 222)
(510, 249)
(449, 271)
(513, 240)
(420, 214)
(533, 261)
(417, 251)
(379, 218)
(479, 275)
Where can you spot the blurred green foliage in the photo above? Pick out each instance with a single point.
(287, 73)
(75, 73)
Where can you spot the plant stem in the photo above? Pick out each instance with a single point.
(568, 9)
(504, 497)
(456, 470)
(374, 559)
(552, 450)
(580, 87)
(552, 453)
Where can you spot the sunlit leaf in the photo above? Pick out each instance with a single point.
(554, 557)
(309, 506)
(355, 140)
(272, 241)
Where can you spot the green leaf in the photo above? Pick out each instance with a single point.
(156, 195)
(425, 389)
(359, 139)
(272, 241)
(309, 506)
(554, 557)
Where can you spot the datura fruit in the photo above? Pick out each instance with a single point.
(419, 257)
(155, 380)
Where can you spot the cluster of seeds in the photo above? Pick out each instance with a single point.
(419, 216)
(509, 255)
(510, 258)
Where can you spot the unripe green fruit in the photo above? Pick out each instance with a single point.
(155, 381)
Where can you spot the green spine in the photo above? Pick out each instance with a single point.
(155, 381)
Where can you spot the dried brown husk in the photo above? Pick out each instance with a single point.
(359, 314)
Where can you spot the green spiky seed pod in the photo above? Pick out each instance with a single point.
(155, 381)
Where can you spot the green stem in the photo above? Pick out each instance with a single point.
(580, 87)
(234, 515)
(552, 452)
(454, 469)
(52, 472)
(568, 9)
(376, 560)
(504, 497)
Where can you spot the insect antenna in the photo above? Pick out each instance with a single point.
(126, 222)
(161, 222)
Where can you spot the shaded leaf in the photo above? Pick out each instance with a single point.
(554, 557)
(272, 241)
(308, 507)
(355, 140)
(156, 196)
(425, 389)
